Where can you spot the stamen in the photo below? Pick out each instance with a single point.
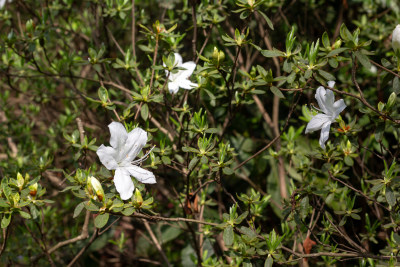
(138, 161)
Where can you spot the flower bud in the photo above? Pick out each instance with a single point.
(33, 189)
(138, 200)
(20, 181)
(218, 56)
(396, 39)
(95, 185)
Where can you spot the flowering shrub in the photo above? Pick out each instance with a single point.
(229, 171)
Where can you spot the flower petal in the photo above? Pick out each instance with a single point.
(107, 156)
(186, 84)
(338, 106)
(325, 99)
(118, 135)
(320, 96)
(189, 68)
(331, 84)
(324, 134)
(137, 139)
(178, 60)
(141, 174)
(317, 122)
(173, 87)
(123, 183)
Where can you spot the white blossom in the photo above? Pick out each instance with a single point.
(2, 3)
(120, 157)
(181, 78)
(330, 111)
(396, 39)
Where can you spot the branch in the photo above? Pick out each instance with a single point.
(83, 235)
(159, 218)
(155, 241)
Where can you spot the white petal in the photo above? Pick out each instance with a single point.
(320, 96)
(178, 60)
(331, 84)
(186, 84)
(338, 106)
(317, 122)
(137, 139)
(173, 87)
(189, 68)
(107, 156)
(396, 38)
(123, 183)
(324, 134)
(325, 99)
(141, 174)
(118, 135)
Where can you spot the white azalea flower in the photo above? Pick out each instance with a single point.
(120, 157)
(2, 3)
(330, 109)
(181, 78)
(396, 39)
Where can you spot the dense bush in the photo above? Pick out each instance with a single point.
(240, 133)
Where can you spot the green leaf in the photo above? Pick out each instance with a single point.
(355, 216)
(24, 214)
(390, 198)
(166, 160)
(228, 235)
(336, 51)
(144, 112)
(193, 162)
(363, 59)
(268, 262)
(103, 94)
(227, 171)
(326, 75)
(101, 220)
(272, 53)
(78, 209)
(4, 204)
(269, 22)
(5, 221)
(277, 92)
(345, 33)
(128, 211)
(171, 233)
(325, 40)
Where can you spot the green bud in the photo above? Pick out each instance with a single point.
(381, 106)
(218, 56)
(391, 100)
(138, 199)
(337, 44)
(30, 25)
(33, 189)
(94, 187)
(20, 181)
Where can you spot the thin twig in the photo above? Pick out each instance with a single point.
(155, 241)
(80, 253)
(84, 234)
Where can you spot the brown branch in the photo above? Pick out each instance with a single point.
(159, 218)
(80, 253)
(194, 40)
(84, 234)
(155, 241)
